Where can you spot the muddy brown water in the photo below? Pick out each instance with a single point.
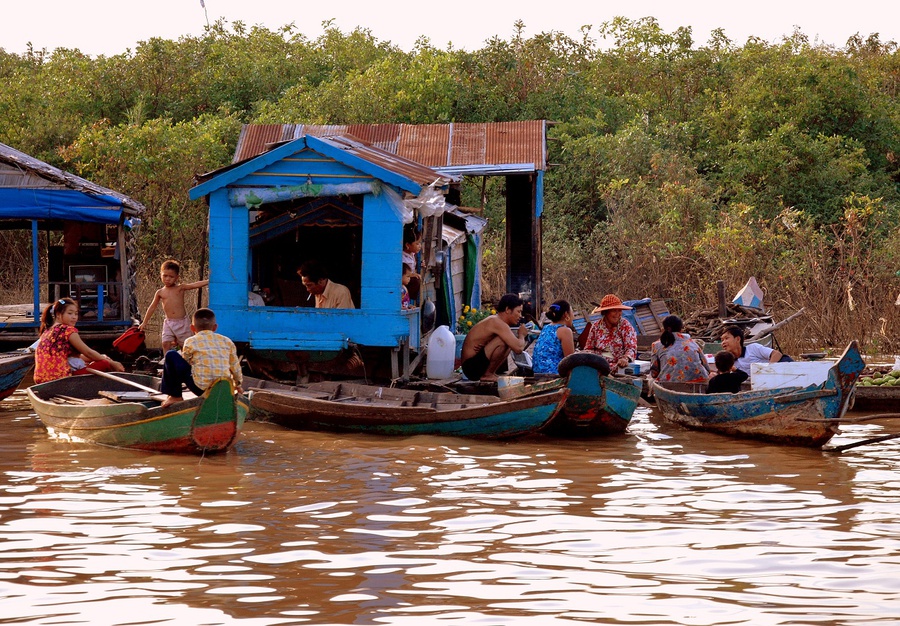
(658, 526)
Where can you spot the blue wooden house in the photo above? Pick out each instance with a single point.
(515, 151)
(333, 199)
(80, 240)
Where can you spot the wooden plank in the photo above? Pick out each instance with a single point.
(660, 311)
(130, 396)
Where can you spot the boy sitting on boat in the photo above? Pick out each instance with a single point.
(206, 357)
(729, 378)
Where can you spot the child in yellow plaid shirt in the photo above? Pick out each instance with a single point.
(205, 358)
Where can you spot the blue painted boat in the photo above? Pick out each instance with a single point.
(598, 404)
(13, 368)
(349, 407)
(805, 416)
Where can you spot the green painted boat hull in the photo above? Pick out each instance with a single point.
(204, 425)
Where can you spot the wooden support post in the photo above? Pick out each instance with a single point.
(404, 352)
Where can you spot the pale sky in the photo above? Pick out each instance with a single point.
(112, 26)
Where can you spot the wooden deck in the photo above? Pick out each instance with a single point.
(18, 313)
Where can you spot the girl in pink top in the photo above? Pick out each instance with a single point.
(59, 340)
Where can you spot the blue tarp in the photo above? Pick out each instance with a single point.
(68, 204)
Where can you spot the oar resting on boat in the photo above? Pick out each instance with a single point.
(130, 383)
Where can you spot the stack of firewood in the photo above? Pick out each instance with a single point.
(707, 325)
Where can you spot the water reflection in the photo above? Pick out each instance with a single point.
(659, 526)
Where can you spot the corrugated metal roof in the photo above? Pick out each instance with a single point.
(268, 139)
(38, 174)
(433, 145)
(416, 172)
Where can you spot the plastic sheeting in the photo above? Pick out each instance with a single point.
(429, 202)
(253, 198)
(63, 204)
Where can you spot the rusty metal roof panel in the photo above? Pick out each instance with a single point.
(412, 170)
(468, 145)
(433, 145)
(254, 139)
(515, 142)
(36, 174)
(425, 143)
(321, 130)
(383, 136)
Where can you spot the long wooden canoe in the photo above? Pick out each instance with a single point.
(351, 407)
(13, 368)
(78, 408)
(770, 414)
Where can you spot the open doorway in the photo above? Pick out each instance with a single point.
(284, 235)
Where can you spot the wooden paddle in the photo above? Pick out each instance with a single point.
(125, 381)
(864, 442)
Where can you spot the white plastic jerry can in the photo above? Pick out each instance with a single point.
(441, 353)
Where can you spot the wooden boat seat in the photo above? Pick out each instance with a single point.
(80, 401)
(131, 396)
(139, 396)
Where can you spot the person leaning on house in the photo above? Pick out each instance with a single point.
(489, 342)
(328, 294)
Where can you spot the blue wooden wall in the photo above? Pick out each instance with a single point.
(378, 322)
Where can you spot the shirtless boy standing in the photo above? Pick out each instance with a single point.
(177, 325)
(489, 341)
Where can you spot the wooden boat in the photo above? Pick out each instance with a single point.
(351, 407)
(109, 412)
(598, 404)
(876, 398)
(793, 415)
(13, 368)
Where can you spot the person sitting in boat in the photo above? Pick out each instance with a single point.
(556, 341)
(60, 340)
(612, 336)
(489, 342)
(328, 294)
(205, 358)
(728, 379)
(676, 357)
(744, 355)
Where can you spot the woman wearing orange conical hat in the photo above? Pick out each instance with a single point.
(612, 336)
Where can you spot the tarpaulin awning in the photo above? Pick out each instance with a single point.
(34, 190)
(67, 204)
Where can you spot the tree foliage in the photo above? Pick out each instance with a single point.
(674, 161)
